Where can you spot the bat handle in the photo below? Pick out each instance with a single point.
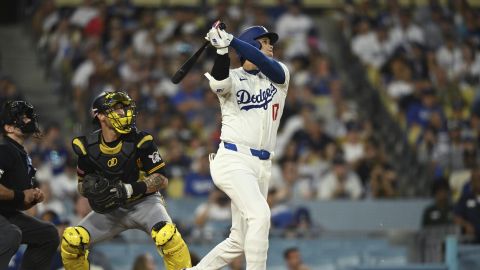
(222, 26)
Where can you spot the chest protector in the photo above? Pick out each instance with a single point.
(114, 163)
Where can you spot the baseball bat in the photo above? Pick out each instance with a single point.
(185, 68)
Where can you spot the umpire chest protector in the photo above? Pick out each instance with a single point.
(114, 163)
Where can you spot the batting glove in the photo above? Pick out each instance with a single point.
(219, 39)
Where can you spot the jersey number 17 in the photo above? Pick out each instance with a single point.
(275, 111)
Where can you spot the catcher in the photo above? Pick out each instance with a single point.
(120, 172)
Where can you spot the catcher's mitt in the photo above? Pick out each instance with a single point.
(102, 194)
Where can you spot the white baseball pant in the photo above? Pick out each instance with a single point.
(244, 178)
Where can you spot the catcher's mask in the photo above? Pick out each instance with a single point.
(108, 103)
(14, 113)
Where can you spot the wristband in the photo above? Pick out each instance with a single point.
(18, 198)
(129, 190)
(222, 51)
(138, 188)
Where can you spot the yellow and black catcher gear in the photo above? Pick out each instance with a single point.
(74, 248)
(103, 195)
(171, 246)
(108, 103)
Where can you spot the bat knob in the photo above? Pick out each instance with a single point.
(222, 26)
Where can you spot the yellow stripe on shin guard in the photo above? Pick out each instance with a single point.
(171, 246)
(74, 248)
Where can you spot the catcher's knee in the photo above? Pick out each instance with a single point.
(170, 244)
(74, 248)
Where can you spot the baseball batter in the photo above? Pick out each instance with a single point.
(252, 100)
(120, 172)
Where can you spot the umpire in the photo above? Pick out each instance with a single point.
(18, 192)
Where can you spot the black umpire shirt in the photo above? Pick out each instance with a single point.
(16, 170)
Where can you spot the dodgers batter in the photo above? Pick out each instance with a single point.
(252, 99)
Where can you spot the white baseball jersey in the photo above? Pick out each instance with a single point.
(252, 109)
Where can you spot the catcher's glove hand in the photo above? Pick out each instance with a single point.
(104, 195)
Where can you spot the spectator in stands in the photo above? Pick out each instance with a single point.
(52, 149)
(449, 56)
(212, 217)
(293, 185)
(372, 47)
(340, 182)
(373, 156)
(353, 145)
(383, 182)
(188, 100)
(50, 203)
(467, 71)
(313, 136)
(467, 209)
(81, 209)
(294, 27)
(459, 179)
(60, 224)
(406, 32)
(322, 77)
(81, 81)
(144, 262)
(400, 86)
(440, 212)
(178, 160)
(293, 259)
(290, 221)
(8, 90)
(419, 113)
(198, 182)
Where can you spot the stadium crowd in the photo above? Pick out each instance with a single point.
(424, 61)
(325, 151)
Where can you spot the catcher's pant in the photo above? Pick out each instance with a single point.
(244, 178)
(141, 214)
(41, 238)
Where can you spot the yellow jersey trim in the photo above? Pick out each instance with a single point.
(156, 168)
(145, 139)
(80, 145)
(110, 150)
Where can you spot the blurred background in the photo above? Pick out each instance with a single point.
(376, 165)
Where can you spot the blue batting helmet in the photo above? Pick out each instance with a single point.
(251, 34)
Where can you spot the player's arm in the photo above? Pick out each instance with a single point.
(155, 182)
(83, 164)
(6, 194)
(83, 168)
(220, 39)
(152, 164)
(15, 199)
(267, 65)
(219, 79)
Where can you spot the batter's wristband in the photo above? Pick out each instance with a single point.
(139, 188)
(18, 198)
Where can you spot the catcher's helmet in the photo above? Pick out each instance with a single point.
(13, 113)
(108, 102)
